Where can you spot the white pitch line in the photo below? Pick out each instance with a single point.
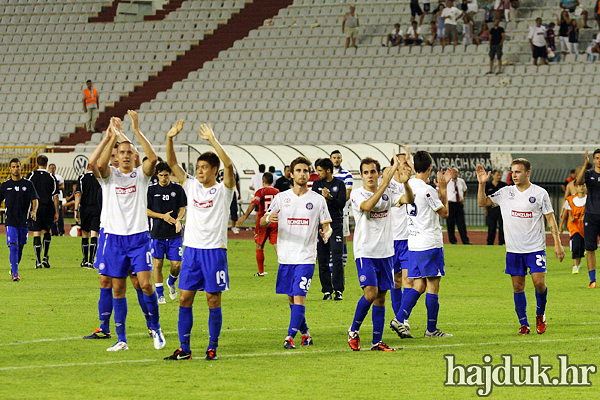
(309, 352)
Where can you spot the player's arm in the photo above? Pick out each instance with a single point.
(171, 157)
(165, 217)
(102, 165)
(408, 197)
(206, 133)
(580, 179)
(180, 215)
(249, 210)
(386, 177)
(442, 184)
(563, 216)
(559, 252)
(482, 177)
(325, 231)
(34, 207)
(150, 163)
(55, 198)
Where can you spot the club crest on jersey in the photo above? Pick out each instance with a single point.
(287, 200)
(127, 190)
(298, 221)
(172, 194)
(212, 191)
(24, 188)
(521, 214)
(362, 278)
(133, 174)
(532, 199)
(203, 204)
(334, 189)
(385, 197)
(309, 206)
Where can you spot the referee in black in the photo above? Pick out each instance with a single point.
(87, 214)
(334, 191)
(47, 213)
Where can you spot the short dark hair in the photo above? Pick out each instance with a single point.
(422, 161)
(369, 160)
(12, 160)
(300, 160)
(572, 171)
(335, 152)
(42, 160)
(261, 168)
(88, 81)
(597, 151)
(523, 162)
(271, 169)
(268, 178)
(52, 164)
(162, 166)
(495, 171)
(287, 166)
(211, 158)
(325, 163)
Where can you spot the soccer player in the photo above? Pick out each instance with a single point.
(334, 192)
(166, 207)
(125, 223)
(346, 177)
(21, 202)
(204, 264)
(87, 213)
(574, 210)
(523, 207)
(298, 213)
(262, 199)
(425, 245)
(46, 187)
(591, 226)
(374, 245)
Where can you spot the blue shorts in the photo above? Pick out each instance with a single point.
(294, 279)
(400, 261)
(16, 235)
(124, 253)
(376, 272)
(517, 264)
(172, 248)
(100, 249)
(426, 263)
(204, 269)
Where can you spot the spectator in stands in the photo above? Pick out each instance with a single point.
(414, 35)
(426, 8)
(496, 42)
(350, 26)
(433, 38)
(488, 11)
(570, 179)
(575, 9)
(574, 37)
(564, 22)
(594, 47)
(441, 24)
(472, 9)
(91, 104)
(502, 5)
(415, 9)
(256, 181)
(394, 38)
(537, 41)
(597, 13)
(550, 37)
(484, 34)
(451, 15)
(467, 31)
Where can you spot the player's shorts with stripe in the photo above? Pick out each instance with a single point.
(426, 263)
(125, 252)
(294, 279)
(591, 231)
(261, 233)
(376, 272)
(90, 218)
(517, 264)
(44, 218)
(16, 235)
(204, 269)
(172, 248)
(577, 245)
(400, 255)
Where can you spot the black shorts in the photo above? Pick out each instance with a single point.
(540, 52)
(577, 246)
(415, 9)
(90, 218)
(233, 208)
(495, 51)
(591, 230)
(44, 218)
(426, 7)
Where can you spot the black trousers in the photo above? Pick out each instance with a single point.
(494, 220)
(334, 248)
(58, 227)
(456, 217)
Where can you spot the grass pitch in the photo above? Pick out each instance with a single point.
(44, 317)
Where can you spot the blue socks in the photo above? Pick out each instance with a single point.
(172, 279)
(152, 306)
(409, 300)
(120, 306)
(184, 326)
(521, 308)
(378, 315)
(433, 307)
(142, 302)
(541, 301)
(297, 316)
(160, 290)
(303, 326)
(362, 308)
(105, 307)
(592, 275)
(14, 258)
(215, 321)
(396, 301)
(20, 252)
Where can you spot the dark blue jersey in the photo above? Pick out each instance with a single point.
(162, 200)
(17, 196)
(336, 204)
(592, 181)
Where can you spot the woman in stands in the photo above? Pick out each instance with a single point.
(564, 21)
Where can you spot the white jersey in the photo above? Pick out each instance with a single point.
(373, 233)
(523, 217)
(399, 218)
(124, 202)
(346, 177)
(424, 228)
(207, 214)
(298, 226)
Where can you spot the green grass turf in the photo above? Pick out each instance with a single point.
(476, 305)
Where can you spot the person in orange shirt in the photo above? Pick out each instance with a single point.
(91, 104)
(573, 211)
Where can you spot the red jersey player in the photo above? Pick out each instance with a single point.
(262, 199)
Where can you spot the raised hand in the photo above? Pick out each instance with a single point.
(408, 160)
(587, 157)
(206, 132)
(448, 175)
(135, 121)
(388, 174)
(482, 176)
(175, 129)
(117, 124)
(405, 173)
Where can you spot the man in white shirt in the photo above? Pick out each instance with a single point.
(394, 38)
(451, 15)
(256, 181)
(125, 224)
(457, 191)
(523, 206)
(537, 41)
(413, 35)
(425, 245)
(298, 213)
(204, 266)
(374, 244)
